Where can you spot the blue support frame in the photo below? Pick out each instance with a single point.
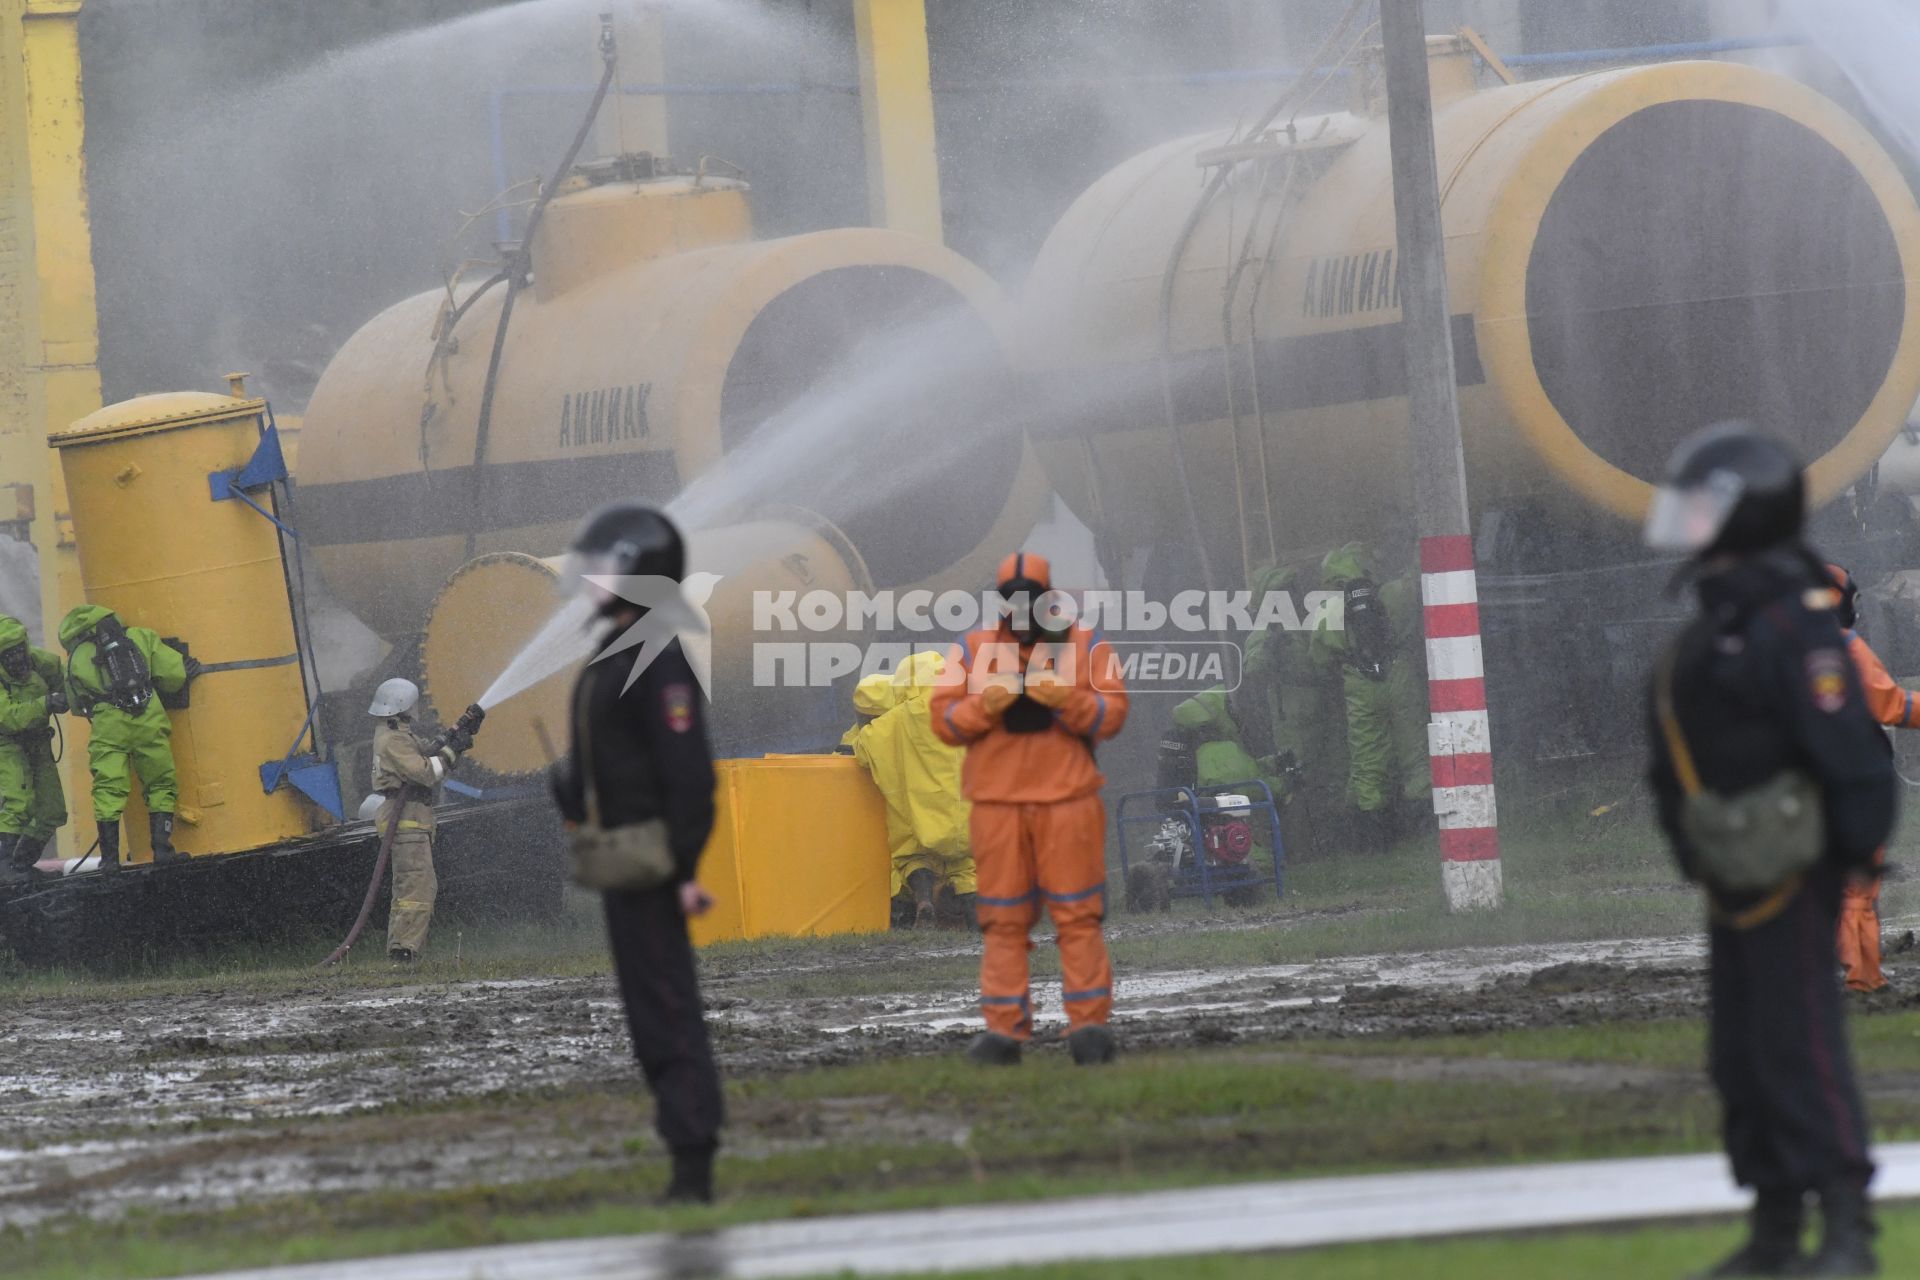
(305, 771)
(316, 779)
(267, 466)
(1202, 880)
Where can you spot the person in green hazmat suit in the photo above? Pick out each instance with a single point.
(1304, 713)
(115, 676)
(1211, 747)
(927, 818)
(33, 805)
(1371, 638)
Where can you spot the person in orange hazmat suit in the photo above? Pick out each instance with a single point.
(1896, 708)
(1030, 699)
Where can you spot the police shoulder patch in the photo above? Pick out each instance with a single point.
(1827, 679)
(676, 701)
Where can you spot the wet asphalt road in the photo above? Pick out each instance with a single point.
(1253, 1217)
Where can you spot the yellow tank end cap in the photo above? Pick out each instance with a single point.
(163, 411)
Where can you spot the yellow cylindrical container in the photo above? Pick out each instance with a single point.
(655, 340)
(1632, 255)
(159, 550)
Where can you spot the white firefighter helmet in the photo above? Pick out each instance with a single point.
(395, 697)
(371, 806)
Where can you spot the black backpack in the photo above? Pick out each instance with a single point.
(122, 666)
(1369, 635)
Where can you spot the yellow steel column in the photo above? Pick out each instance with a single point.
(49, 332)
(896, 102)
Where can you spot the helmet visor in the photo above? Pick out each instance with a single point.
(1691, 519)
(601, 577)
(587, 573)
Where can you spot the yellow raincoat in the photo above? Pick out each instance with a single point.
(918, 774)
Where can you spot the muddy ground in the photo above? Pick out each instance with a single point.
(216, 1097)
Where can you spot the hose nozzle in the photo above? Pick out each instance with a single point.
(469, 722)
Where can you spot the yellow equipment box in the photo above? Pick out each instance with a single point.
(799, 847)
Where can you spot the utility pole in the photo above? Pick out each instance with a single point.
(1458, 739)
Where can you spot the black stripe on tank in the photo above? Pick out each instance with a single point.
(515, 495)
(1308, 371)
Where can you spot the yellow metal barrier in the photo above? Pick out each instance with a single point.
(799, 847)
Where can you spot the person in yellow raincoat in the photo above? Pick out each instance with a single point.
(927, 818)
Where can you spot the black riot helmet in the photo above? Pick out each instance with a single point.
(624, 540)
(1730, 490)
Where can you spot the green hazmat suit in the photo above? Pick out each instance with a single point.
(1220, 752)
(1304, 715)
(927, 817)
(32, 802)
(1387, 757)
(123, 745)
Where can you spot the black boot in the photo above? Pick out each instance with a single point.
(692, 1176)
(26, 856)
(1846, 1234)
(991, 1049)
(1092, 1046)
(13, 875)
(110, 846)
(1773, 1238)
(160, 825)
(969, 910)
(920, 883)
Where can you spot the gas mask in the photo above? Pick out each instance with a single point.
(16, 663)
(1034, 613)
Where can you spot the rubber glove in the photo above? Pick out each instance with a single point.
(998, 696)
(1049, 691)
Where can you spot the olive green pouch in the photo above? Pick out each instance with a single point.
(1759, 840)
(634, 856)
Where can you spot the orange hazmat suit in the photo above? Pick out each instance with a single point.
(1896, 708)
(1030, 708)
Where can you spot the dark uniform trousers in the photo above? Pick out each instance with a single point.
(1778, 1052)
(653, 959)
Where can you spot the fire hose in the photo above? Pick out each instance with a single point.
(373, 890)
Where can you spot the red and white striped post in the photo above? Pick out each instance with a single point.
(1458, 740)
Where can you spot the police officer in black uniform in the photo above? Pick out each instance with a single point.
(647, 744)
(1756, 686)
